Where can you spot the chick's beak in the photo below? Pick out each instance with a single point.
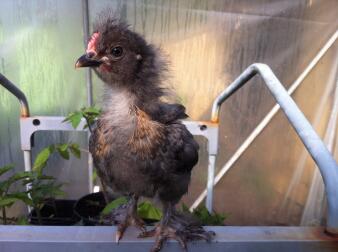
(87, 61)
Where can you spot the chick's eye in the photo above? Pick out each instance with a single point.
(117, 51)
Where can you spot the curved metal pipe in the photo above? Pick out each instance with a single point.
(265, 121)
(315, 146)
(24, 109)
(241, 80)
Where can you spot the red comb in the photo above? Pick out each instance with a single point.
(92, 42)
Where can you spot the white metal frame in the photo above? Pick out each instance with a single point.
(30, 125)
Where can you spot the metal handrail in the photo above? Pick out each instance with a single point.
(24, 108)
(326, 163)
(263, 123)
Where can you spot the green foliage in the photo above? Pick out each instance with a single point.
(22, 220)
(42, 158)
(146, 210)
(41, 187)
(74, 118)
(5, 169)
(75, 149)
(64, 151)
(203, 215)
(90, 114)
(7, 196)
(7, 201)
(114, 204)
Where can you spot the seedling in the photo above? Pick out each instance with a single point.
(206, 218)
(42, 187)
(8, 196)
(90, 114)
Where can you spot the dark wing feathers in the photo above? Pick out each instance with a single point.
(172, 112)
(178, 157)
(166, 113)
(183, 146)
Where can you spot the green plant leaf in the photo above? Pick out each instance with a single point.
(114, 204)
(75, 119)
(67, 118)
(19, 176)
(45, 177)
(63, 150)
(213, 219)
(62, 147)
(57, 191)
(42, 191)
(23, 196)
(89, 113)
(203, 215)
(92, 110)
(6, 168)
(22, 220)
(146, 210)
(5, 185)
(7, 201)
(41, 159)
(75, 150)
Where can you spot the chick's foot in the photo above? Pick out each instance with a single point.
(177, 226)
(125, 216)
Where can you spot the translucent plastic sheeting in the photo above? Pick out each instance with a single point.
(209, 43)
(39, 42)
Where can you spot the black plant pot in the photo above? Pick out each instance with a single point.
(89, 208)
(55, 213)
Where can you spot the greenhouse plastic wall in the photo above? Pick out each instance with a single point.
(209, 43)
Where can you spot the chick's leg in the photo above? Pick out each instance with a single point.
(126, 216)
(178, 226)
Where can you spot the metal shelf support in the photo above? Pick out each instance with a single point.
(326, 163)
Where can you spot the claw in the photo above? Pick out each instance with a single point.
(146, 234)
(139, 223)
(158, 243)
(182, 242)
(126, 216)
(118, 236)
(177, 227)
(207, 236)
